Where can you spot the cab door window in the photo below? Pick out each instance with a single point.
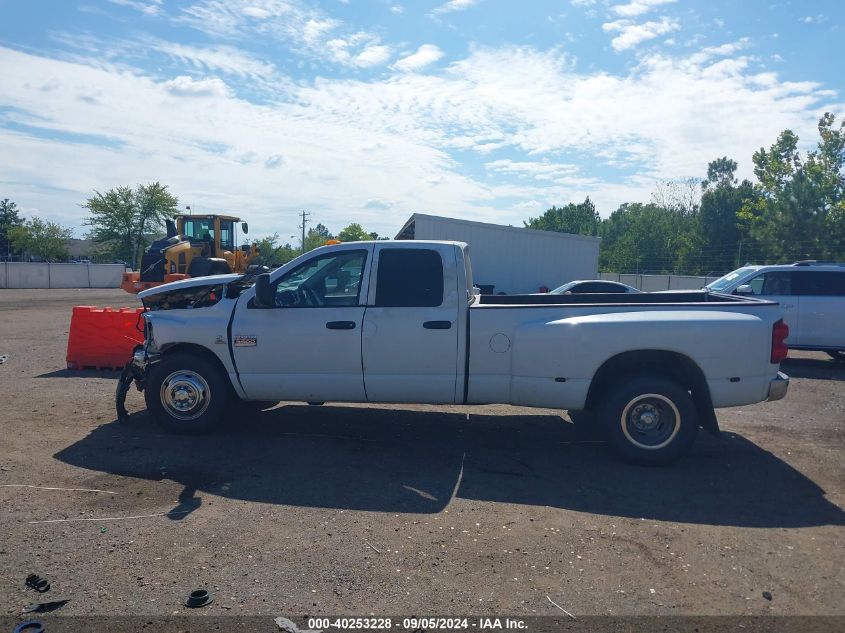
(327, 280)
(774, 283)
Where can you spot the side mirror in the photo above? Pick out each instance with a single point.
(744, 289)
(264, 294)
(245, 227)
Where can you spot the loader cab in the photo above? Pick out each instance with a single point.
(215, 234)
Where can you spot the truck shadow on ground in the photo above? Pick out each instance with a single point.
(391, 460)
(817, 368)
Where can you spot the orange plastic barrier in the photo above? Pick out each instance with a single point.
(102, 338)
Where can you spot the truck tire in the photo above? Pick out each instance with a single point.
(187, 394)
(220, 268)
(649, 420)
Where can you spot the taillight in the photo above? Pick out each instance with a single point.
(780, 331)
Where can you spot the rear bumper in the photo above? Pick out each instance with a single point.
(778, 387)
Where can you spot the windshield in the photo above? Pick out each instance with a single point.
(724, 282)
(561, 289)
(199, 229)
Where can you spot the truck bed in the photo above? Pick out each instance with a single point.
(649, 298)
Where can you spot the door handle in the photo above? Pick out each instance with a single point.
(340, 325)
(437, 325)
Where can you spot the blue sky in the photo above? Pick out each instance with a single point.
(361, 111)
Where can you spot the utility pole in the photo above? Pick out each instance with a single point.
(304, 215)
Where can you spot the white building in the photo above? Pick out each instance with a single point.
(512, 259)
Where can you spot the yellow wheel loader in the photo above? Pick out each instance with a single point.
(195, 246)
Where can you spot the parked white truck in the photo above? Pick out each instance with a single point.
(399, 322)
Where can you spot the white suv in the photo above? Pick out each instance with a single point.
(811, 293)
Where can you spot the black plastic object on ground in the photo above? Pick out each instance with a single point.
(30, 626)
(34, 581)
(45, 607)
(198, 598)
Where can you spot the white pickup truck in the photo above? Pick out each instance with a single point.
(399, 321)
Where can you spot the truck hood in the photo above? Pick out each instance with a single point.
(185, 284)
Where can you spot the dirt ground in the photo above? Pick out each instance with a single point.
(345, 509)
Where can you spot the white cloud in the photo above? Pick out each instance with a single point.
(338, 144)
(455, 5)
(372, 55)
(582, 3)
(188, 87)
(276, 160)
(638, 7)
(358, 51)
(561, 173)
(426, 55)
(153, 7)
(632, 35)
(225, 59)
(722, 50)
(819, 18)
(397, 9)
(309, 31)
(256, 12)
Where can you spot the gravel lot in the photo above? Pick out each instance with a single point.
(346, 509)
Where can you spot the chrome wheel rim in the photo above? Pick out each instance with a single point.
(185, 395)
(650, 421)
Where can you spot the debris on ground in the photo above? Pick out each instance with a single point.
(45, 607)
(289, 626)
(34, 581)
(767, 595)
(561, 608)
(198, 598)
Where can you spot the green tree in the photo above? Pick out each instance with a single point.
(155, 204)
(648, 238)
(122, 219)
(580, 219)
(356, 233)
(721, 231)
(9, 218)
(271, 254)
(45, 240)
(316, 237)
(800, 204)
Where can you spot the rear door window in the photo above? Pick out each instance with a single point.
(819, 283)
(409, 277)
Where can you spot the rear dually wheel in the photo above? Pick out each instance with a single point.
(650, 419)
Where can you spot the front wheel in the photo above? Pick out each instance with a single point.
(187, 394)
(650, 420)
(837, 355)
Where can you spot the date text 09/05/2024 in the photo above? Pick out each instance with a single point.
(417, 624)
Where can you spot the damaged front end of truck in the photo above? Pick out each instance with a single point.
(191, 294)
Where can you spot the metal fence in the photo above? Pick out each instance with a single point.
(653, 283)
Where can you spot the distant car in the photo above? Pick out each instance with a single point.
(811, 296)
(593, 286)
